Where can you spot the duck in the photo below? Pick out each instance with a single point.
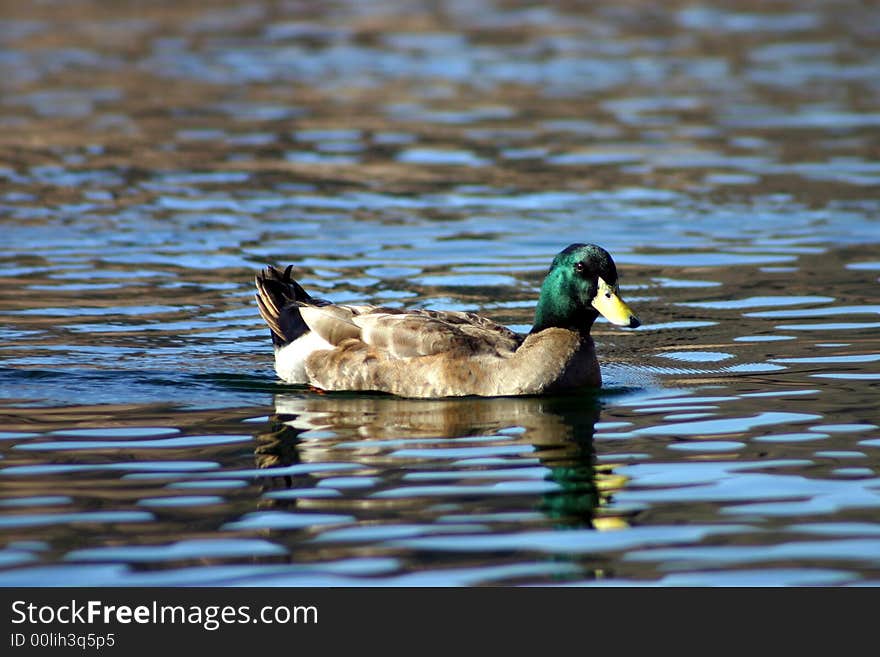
(423, 353)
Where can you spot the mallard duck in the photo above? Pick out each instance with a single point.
(431, 353)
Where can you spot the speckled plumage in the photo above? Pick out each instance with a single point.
(427, 353)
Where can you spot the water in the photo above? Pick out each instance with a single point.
(154, 158)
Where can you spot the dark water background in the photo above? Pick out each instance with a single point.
(153, 156)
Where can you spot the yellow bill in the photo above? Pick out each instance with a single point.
(612, 306)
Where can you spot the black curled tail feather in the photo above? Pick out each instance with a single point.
(278, 299)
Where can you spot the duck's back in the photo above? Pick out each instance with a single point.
(553, 360)
(415, 353)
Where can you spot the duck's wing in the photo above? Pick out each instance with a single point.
(391, 333)
(409, 353)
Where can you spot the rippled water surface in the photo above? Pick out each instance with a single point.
(155, 156)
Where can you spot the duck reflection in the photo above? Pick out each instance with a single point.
(391, 439)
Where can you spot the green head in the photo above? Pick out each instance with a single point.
(581, 284)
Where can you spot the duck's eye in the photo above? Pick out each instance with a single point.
(579, 267)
